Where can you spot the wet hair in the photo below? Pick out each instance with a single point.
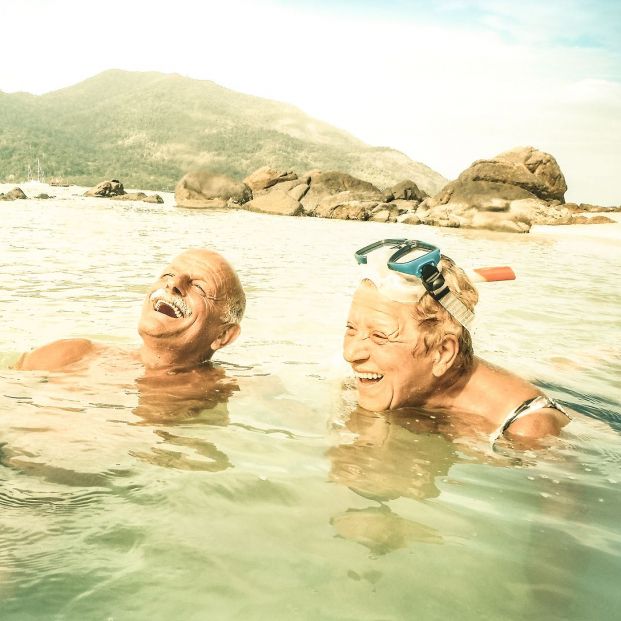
(435, 322)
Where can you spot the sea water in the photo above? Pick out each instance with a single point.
(273, 497)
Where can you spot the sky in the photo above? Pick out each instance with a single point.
(446, 82)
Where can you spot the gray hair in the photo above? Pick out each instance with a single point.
(234, 305)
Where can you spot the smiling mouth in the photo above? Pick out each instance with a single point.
(368, 378)
(170, 305)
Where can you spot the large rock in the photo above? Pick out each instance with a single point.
(407, 190)
(330, 190)
(275, 202)
(592, 220)
(509, 192)
(107, 188)
(499, 217)
(141, 196)
(343, 207)
(266, 177)
(203, 190)
(525, 167)
(153, 198)
(12, 195)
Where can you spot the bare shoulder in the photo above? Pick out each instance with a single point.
(539, 423)
(55, 355)
(503, 391)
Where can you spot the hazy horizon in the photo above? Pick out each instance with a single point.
(446, 82)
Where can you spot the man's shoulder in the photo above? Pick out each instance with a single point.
(55, 355)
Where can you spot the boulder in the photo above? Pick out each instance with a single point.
(203, 190)
(343, 208)
(266, 177)
(408, 218)
(478, 194)
(43, 196)
(404, 206)
(329, 190)
(596, 208)
(153, 198)
(385, 212)
(107, 188)
(141, 196)
(592, 220)
(408, 191)
(298, 191)
(525, 167)
(464, 215)
(12, 195)
(275, 202)
(506, 193)
(132, 196)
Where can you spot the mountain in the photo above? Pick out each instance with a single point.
(149, 129)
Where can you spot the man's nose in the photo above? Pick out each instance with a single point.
(178, 284)
(355, 348)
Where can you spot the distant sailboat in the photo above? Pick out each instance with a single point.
(40, 178)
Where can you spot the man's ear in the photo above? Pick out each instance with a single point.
(445, 355)
(227, 335)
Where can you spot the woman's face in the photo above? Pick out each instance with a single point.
(380, 345)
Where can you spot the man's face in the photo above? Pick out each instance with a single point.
(379, 344)
(184, 306)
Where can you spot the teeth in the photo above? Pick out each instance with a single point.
(180, 308)
(369, 376)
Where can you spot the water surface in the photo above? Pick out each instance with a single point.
(260, 491)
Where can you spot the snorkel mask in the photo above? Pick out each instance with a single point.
(405, 269)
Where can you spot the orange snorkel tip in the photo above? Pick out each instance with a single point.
(492, 274)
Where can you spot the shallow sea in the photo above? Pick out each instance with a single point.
(272, 497)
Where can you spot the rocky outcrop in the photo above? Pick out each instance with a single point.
(405, 190)
(205, 190)
(524, 167)
(156, 199)
(107, 188)
(507, 193)
(331, 193)
(265, 177)
(12, 195)
(276, 192)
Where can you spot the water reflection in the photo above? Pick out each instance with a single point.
(392, 456)
(198, 395)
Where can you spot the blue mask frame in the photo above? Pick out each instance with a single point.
(403, 246)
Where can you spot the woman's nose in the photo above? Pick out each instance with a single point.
(355, 348)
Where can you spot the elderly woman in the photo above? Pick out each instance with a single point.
(409, 345)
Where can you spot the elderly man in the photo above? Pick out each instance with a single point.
(193, 309)
(408, 343)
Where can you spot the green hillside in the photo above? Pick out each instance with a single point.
(148, 129)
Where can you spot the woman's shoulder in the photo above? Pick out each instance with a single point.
(516, 406)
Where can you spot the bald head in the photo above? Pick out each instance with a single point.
(193, 309)
(215, 270)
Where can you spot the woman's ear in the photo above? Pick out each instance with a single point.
(445, 355)
(227, 335)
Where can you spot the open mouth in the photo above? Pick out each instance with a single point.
(171, 306)
(368, 378)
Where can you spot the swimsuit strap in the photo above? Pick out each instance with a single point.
(530, 405)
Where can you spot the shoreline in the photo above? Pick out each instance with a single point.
(609, 231)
